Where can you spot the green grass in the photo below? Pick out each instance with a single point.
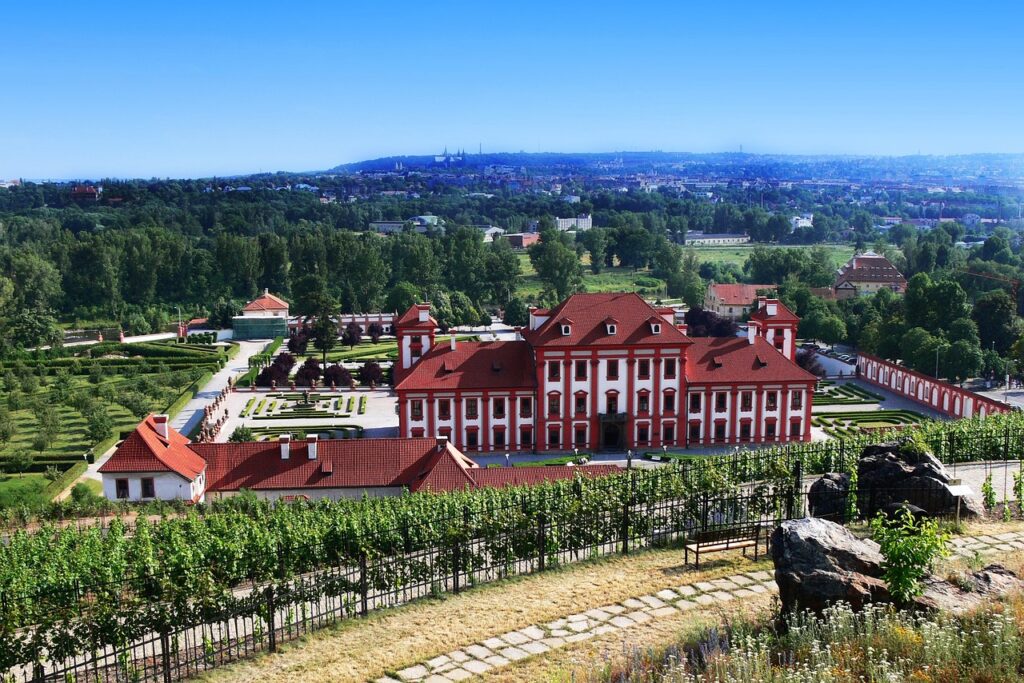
(22, 489)
(737, 255)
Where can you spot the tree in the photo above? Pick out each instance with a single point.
(338, 376)
(310, 297)
(62, 386)
(963, 361)
(516, 313)
(352, 335)
(996, 316)
(325, 332)
(596, 243)
(402, 297)
(99, 425)
(242, 434)
(8, 427)
(27, 328)
(19, 462)
(223, 312)
(375, 330)
(557, 266)
(370, 374)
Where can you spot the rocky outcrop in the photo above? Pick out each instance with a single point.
(969, 591)
(828, 497)
(819, 563)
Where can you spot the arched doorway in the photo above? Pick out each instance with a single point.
(611, 436)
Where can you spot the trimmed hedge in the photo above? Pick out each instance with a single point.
(65, 479)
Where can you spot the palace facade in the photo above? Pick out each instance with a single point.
(604, 372)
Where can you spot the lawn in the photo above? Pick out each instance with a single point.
(840, 253)
(21, 489)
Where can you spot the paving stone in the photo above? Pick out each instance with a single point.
(1017, 544)
(597, 614)
(758, 588)
(536, 648)
(704, 586)
(664, 611)
(686, 591)
(760, 575)
(515, 638)
(744, 593)
(496, 661)
(478, 651)
(387, 679)
(577, 617)
(772, 587)
(438, 661)
(458, 656)
(741, 580)
(493, 644)
(513, 654)
(532, 632)
(633, 603)
(445, 667)
(603, 629)
(667, 595)
(685, 605)
(639, 617)
(614, 609)
(1008, 536)
(458, 675)
(476, 666)
(554, 642)
(621, 622)
(651, 601)
(1003, 547)
(437, 678)
(725, 585)
(579, 626)
(560, 632)
(413, 673)
(558, 623)
(577, 637)
(722, 596)
(704, 599)
(986, 539)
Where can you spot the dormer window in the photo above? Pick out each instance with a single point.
(655, 328)
(611, 328)
(566, 330)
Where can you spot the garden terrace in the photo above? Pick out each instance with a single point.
(845, 424)
(831, 394)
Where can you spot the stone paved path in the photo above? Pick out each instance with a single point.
(504, 649)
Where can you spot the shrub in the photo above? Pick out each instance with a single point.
(910, 548)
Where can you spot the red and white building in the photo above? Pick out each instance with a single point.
(605, 372)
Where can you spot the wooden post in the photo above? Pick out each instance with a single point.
(271, 618)
(363, 585)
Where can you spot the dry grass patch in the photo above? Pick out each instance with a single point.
(390, 640)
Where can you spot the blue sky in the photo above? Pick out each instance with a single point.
(194, 89)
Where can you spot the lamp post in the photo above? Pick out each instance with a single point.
(507, 460)
(629, 459)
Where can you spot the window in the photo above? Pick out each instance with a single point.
(655, 328)
(415, 353)
(472, 438)
(581, 404)
(580, 436)
(525, 438)
(444, 409)
(148, 488)
(611, 328)
(499, 438)
(797, 401)
(794, 430)
(525, 407)
(747, 400)
(498, 407)
(643, 403)
(581, 369)
(719, 432)
(668, 402)
(772, 400)
(417, 409)
(121, 485)
(694, 403)
(613, 369)
(553, 439)
(554, 369)
(416, 339)
(670, 368)
(566, 330)
(471, 408)
(769, 431)
(668, 434)
(745, 431)
(613, 403)
(643, 434)
(695, 431)
(645, 368)
(720, 399)
(553, 402)
(779, 341)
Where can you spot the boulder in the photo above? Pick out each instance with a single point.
(827, 497)
(819, 563)
(889, 473)
(969, 591)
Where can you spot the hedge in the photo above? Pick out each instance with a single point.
(65, 479)
(190, 392)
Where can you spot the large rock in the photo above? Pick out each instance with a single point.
(969, 591)
(828, 497)
(819, 563)
(890, 473)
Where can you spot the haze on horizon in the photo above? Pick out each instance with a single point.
(130, 90)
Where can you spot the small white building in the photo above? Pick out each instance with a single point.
(584, 221)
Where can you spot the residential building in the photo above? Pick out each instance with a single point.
(85, 193)
(155, 462)
(867, 273)
(490, 232)
(522, 240)
(582, 222)
(732, 301)
(697, 238)
(265, 317)
(605, 371)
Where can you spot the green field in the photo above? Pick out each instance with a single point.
(841, 253)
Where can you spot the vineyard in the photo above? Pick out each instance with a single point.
(241, 574)
(57, 406)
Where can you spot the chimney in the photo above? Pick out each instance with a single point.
(266, 290)
(751, 333)
(311, 442)
(442, 443)
(285, 440)
(162, 428)
(452, 341)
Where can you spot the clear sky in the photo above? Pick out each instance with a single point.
(199, 88)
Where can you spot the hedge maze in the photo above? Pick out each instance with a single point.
(851, 423)
(831, 394)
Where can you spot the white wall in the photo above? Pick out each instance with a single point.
(169, 486)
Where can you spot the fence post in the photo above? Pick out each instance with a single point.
(363, 584)
(268, 594)
(165, 655)
(624, 532)
(541, 542)
(798, 487)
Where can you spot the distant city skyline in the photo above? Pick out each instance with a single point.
(132, 90)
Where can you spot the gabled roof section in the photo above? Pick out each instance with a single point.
(782, 314)
(266, 301)
(146, 451)
(589, 312)
(870, 267)
(736, 360)
(473, 365)
(411, 318)
(735, 294)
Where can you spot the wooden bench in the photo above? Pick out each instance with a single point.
(718, 540)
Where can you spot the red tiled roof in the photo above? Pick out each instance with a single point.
(473, 365)
(588, 313)
(264, 302)
(411, 318)
(146, 451)
(735, 295)
(870, 267)
(736, 360)
(783, 314)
